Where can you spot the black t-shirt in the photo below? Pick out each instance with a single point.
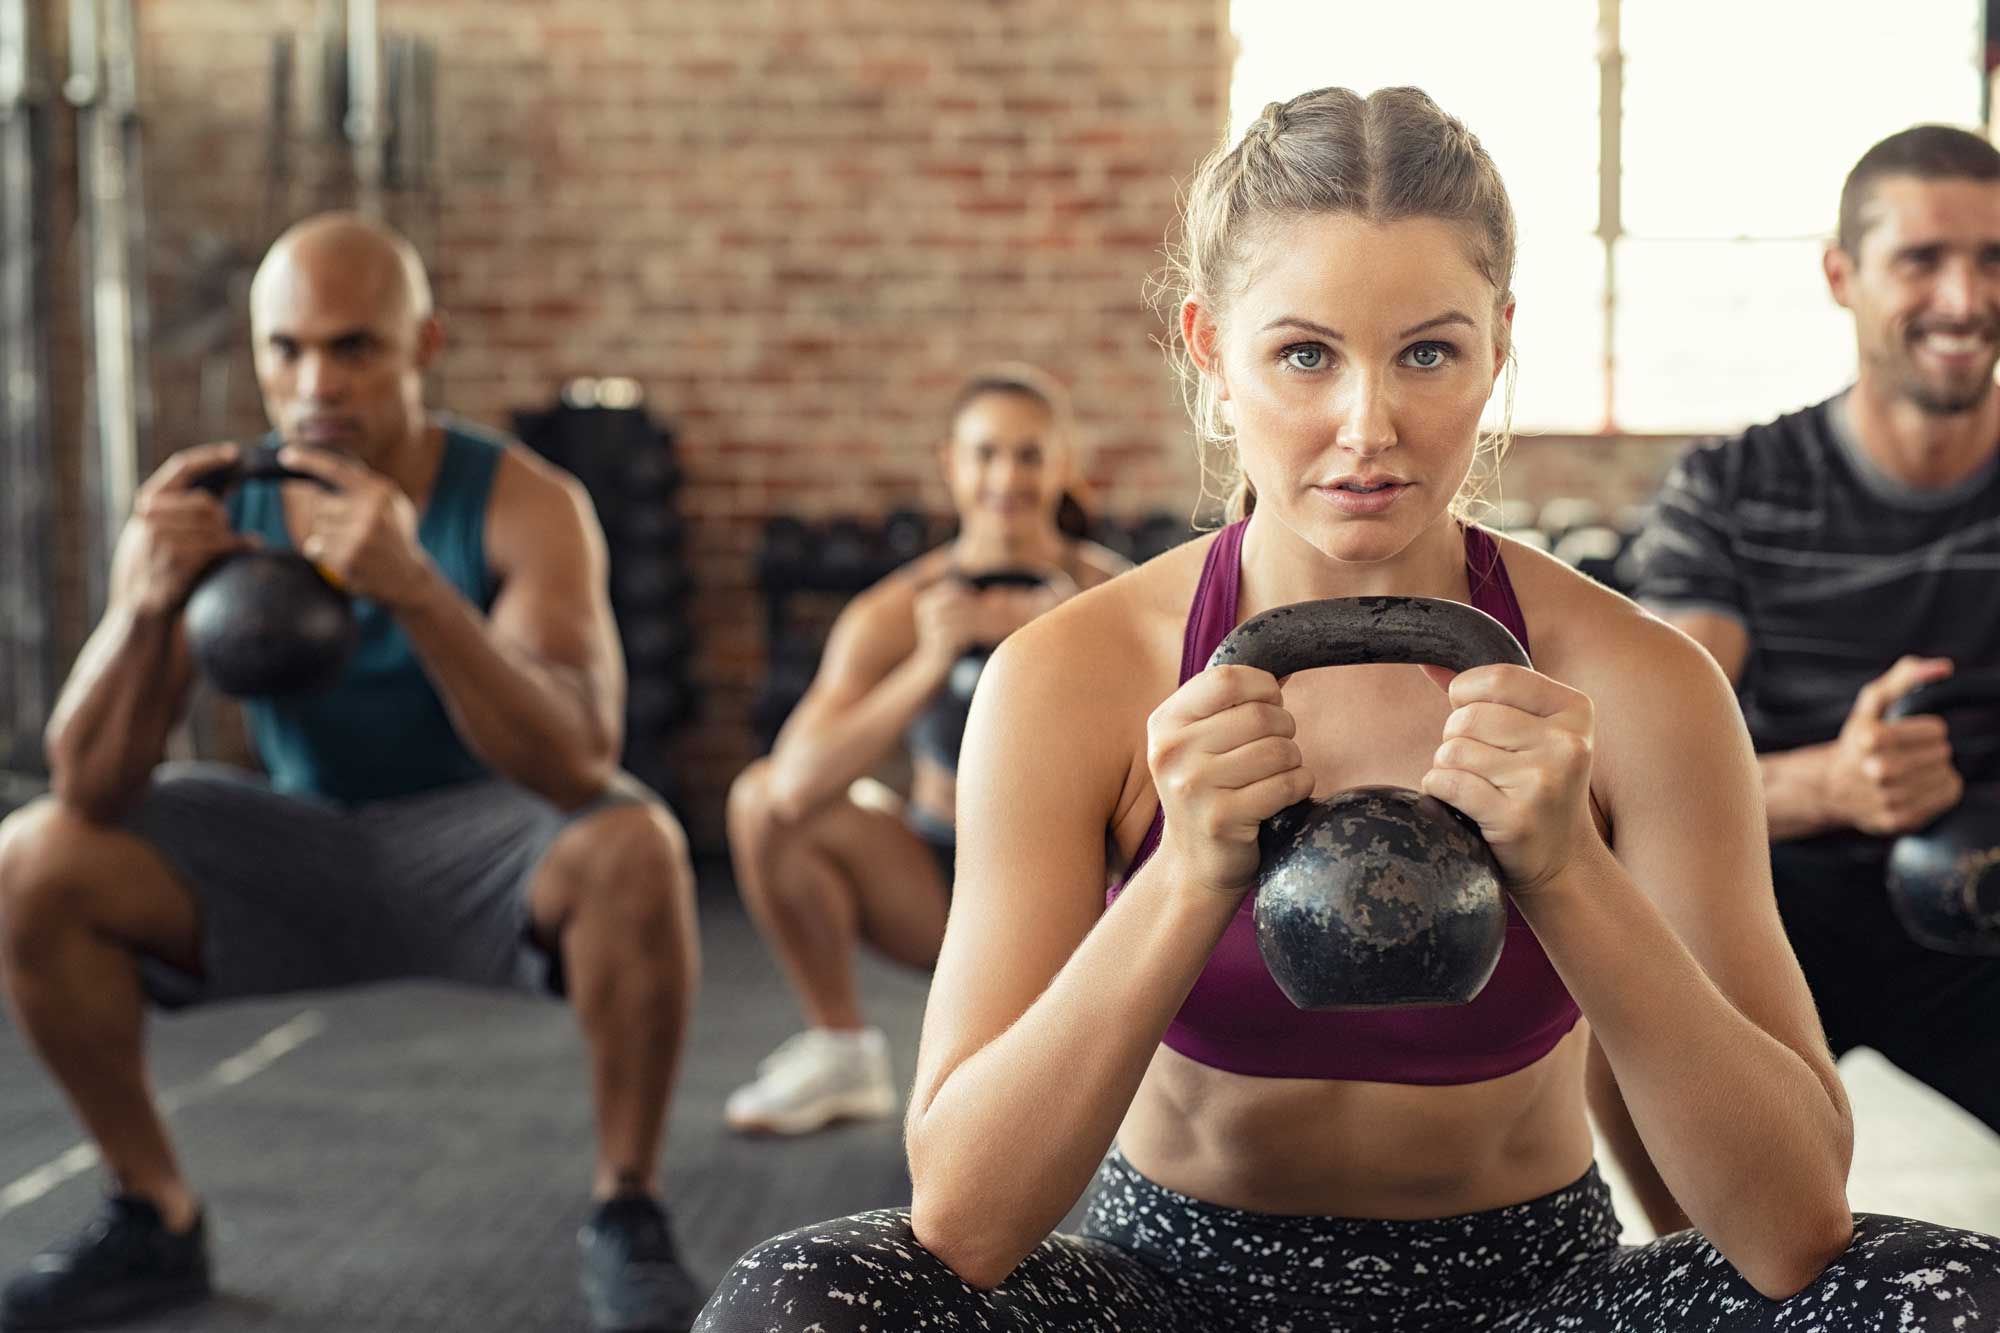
(1833, 568)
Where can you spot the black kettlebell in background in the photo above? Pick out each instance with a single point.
(264, 624)
(940, 730)
(1377, 896)
(1944, 879)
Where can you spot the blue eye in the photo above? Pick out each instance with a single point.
(1304, 356)
(1429, 356)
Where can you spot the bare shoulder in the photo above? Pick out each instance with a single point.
(1122, 618)
(1092, 670)
(894, 596)
(878, 625)
(536, 510)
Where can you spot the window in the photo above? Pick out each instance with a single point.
(1737, 122)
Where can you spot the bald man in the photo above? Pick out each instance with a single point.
(451, 809)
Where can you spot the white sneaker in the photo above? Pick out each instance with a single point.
(813, 1079)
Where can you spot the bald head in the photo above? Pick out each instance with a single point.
(350, 251)
(340, 311)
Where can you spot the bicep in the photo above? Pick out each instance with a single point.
(869, 639)
(553, 603)
(1688, 814)
(1037, 782)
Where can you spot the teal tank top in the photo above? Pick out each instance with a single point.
(382, 731)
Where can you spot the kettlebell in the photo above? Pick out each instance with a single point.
(939, 730)
(265, 624)
(1377, 896)
(1944, 879)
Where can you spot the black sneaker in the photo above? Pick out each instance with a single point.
(632, 1279)
(125, 1263)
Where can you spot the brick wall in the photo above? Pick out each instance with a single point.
(795, 222)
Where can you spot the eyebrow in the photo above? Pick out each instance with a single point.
(338, 335)
(1293, 321)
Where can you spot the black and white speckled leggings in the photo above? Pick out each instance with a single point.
(1150, 1259)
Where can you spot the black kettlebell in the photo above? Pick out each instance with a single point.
(939, 730)
(264, 624)
(1376, 896)
(1944, 879)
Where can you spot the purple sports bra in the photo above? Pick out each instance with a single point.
(1237, 1019)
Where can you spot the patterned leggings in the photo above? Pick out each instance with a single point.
(1150, 1259)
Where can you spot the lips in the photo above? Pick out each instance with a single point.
(324, 428)
(1362, 495)
(1956, 344)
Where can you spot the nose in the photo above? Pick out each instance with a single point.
(319, 380)
(1367, 424)
(1956, 295)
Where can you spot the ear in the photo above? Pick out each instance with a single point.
(1501, 346)
(430, 341)
(1201, 337)
(1838, 266)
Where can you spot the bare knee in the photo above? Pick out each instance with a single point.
(752, 813)
(629, 879)
(43, 848)
(764, 834)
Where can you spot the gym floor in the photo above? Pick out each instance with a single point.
(416, 1157)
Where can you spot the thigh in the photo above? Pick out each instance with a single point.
(899, 894)
(1836, 914)
(277, 883)
(1929, 1013)
(1935, 1020)
(869, 1272)
(1897, 1276)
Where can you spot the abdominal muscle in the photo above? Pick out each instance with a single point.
(1325, 1147)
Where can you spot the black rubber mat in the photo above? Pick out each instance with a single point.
(421, 1160)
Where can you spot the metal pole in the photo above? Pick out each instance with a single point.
(27, 584)
(121, 59)
(113, 404)
(364, 103)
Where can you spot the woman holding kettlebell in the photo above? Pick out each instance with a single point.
(826, 857)
(1344, 301)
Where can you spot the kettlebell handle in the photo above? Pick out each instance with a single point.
(1960, 690)
(257, 463)
(1969, 703)
(1358, 631)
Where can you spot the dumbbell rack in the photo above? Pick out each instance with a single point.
(600, 432)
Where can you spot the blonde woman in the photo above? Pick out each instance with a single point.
(1344, 308)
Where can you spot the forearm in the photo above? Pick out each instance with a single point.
(110, 725)
(1065, 1068)
(1616, 1130)
(522, 719)
(812, 765)
(1750, 1137)
(1795, 793)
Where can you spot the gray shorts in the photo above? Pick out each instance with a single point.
(299, 894)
